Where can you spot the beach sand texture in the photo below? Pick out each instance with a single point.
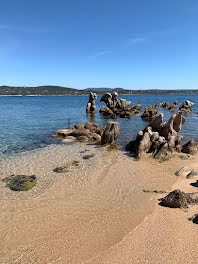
(97, 213)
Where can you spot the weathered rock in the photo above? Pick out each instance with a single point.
(105, 111)
(193, 173)
(118, 107)
(159, 138)
(182, 170)
(82, 138)
(81, 132)
(144, 145)
(91, 103)
(150, 113)
(186, 106)
(79, 126)
(111, 133)
(191, 147)
(63, 132)
(179, 199)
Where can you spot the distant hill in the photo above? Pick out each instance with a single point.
(104, 90)
(39, 90)
(58, 90)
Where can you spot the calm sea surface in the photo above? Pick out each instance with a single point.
(28, 123)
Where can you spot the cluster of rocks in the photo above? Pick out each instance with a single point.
(91, 132)
(150, 112)
(82, 132)
(159, 138)
(121, 112)
(186, 106)
(111, 101)
(116, 107)
(168, 106)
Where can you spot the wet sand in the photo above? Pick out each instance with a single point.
(94, 214)
(166, 235)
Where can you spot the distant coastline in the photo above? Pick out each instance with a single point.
(49, 90)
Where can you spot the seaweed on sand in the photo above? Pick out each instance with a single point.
(20, 182)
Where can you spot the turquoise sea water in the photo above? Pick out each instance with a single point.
(29, 122)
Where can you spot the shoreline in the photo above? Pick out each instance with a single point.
(104, 200)
(164, 236)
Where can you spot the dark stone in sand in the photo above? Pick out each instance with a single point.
(192, 173)
(88, 156)
(68, 167)
(194, 219)
(191, 147)
(179, 199)
(182, 170)
(20, 182)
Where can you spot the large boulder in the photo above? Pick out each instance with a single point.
(111, 133)
(159, 138)
(179, 199)
(191, 147)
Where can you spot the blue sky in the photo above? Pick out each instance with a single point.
(134, 44)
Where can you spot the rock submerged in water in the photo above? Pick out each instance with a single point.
(150, 113)
(70, 166)
(20, 182)
(179, 199)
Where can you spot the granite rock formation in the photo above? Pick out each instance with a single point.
(159, 138)
(150, 113)
(111, 133)
(118, 107)
(91, 103)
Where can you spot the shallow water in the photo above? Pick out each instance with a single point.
(72, 217)
(29, 122)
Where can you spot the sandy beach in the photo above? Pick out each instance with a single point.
(97, 213)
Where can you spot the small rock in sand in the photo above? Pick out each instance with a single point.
(192, 173)
(194, 219)
(182, 170)
(88, 156)
(186, 157)
(68, 167)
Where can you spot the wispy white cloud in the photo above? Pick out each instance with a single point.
(102, 53)
(133, 41)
